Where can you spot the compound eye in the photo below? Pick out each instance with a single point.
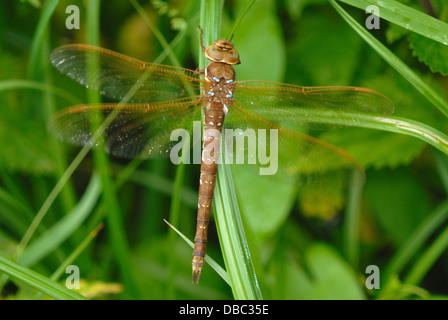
(232, 57)
(214, 53)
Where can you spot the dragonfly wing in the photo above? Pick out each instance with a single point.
(128, 130)
(311, 107)
(284, 154)
(116, 76)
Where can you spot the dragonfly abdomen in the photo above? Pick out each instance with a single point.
(213, 121)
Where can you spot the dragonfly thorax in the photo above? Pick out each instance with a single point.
(219, 89)
(220, 71)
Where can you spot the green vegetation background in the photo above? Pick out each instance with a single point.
(305, 243)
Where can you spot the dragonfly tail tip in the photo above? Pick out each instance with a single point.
(196, 276)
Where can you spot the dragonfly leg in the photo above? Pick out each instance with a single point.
(199, 71)
(200, 38)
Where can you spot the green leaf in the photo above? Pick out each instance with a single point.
(406, 211)
(265, 28)
(308, 57)
(373, 148)
(360, 143)
(262, 214)
(295, 7)
(324, 276)
(433, 54)
(333, 278)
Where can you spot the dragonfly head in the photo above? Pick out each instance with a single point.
(222, 51)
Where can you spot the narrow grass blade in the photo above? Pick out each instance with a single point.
(49, 200)
(430, 135)
(37, 281)
(395, 62)
(407, 17)
(416, 241)
(38, 38)
(17, 84)
(442, 168)
(230, 230)
(232, 238)
(175, 207)
(118, 237)
(436, 138)
(240, 18)
(166, 46)
(426, 260)
(212, 263)
(351, 229)
(72, 257)
(59, 232)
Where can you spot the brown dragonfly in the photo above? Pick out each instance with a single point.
(165, 98)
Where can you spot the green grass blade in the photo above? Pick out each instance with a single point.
(102, 162)
(59, 232)
(72, 257)
(226, 221)
(428, 134)
(395, 62)
(15, 207)
(78, 250)
(232, 238)
(416, 241)
(427, 259)
(351, 228)
(240, 18)
(212, 263)
(28, 84)
(165, 45)
(230, 230)
(50, 199)
(442, 168)
(407, 17)
(436, 138)
(175, 207)
(68, 194)
(37, 281)
(38, 38)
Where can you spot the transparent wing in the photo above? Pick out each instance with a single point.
(133, 130)
(310, 107)
(284, 154)
(115, 75)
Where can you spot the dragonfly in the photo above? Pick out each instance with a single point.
(165, 98)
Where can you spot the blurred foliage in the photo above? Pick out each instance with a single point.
(296, 235)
